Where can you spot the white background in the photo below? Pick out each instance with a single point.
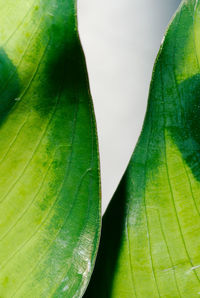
(120, 39)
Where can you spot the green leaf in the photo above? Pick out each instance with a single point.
(150, 244)
(49, 186)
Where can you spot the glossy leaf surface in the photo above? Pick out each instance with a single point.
(49, 186)
(150, 245)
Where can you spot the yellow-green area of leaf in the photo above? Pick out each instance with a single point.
(151, 231)
(49, 185)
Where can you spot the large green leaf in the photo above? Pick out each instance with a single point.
(151, 231)
(49, 186)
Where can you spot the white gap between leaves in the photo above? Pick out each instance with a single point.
(120, 39)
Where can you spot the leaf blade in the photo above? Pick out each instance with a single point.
(158, 244)
(50, 215)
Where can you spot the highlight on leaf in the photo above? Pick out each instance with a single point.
(49, 168)
(150, 245)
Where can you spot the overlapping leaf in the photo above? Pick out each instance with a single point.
(151, 231)
(49, 186)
